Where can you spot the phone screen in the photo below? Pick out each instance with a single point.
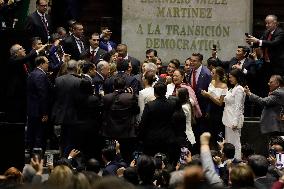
(183, 154)
(280, 160)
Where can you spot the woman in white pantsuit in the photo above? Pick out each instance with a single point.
(233, 117)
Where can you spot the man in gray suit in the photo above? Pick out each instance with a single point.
(272, 117)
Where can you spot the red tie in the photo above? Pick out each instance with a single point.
(45, 24)
(26, 68)
(266, 54)
(193, 83)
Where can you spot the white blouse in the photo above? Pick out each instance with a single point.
(188, 130)
(216, 92)
(145, 95)
(233, 114)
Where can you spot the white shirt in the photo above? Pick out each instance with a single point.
(145, 95)
(234, 107)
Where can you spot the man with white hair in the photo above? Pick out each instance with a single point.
(103, 70)
(18, 68)
(146, 67)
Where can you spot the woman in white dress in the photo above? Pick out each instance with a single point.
(233, 117)
(184, 99)
(217, 90)
(147, 94)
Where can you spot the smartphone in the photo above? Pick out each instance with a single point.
(220, 137)
(246, 34)
(279, 160)
(272, 152)
(111, 143)
(136, 155)
(184, 151)
(49, 159)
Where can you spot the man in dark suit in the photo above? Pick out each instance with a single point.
(94, 53)
(66, 105)
(156, 126)
(105, 42)
(74, 44)
(120, 113)
(243, 63)
(122, 53)
(200, 78)
(272, 43)
(38, 24)
(121, 66)
(38, 104)
(18, 69)
(103, 70)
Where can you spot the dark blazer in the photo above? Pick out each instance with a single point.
(16, 87)
(203, 82)
(103, 45)
(130, 82)
(67, 99)
(140, 81)
(98, 82)
(135, 65)
(156, 125)
(120, 111)
(248, 64)
(38, 93)
(273, 105)
(18, 75)
(35, 27)
(275, 47)
(94, 59)
(70, 47)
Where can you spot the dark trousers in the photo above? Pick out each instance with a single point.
(36, 133)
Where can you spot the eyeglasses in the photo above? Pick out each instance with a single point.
(43, 5)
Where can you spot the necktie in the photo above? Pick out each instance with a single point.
(193, 83)
(45, 24)
(93, 52)
(266, 54)
(81, 45)
(26, 69)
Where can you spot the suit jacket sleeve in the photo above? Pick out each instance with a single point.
(278, 39)
(272, 99)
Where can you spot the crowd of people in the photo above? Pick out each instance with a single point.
(154, 127)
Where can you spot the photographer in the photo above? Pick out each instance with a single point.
(120, 112)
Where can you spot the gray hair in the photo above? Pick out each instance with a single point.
(72, 65)
(101, 64)
(151, 67)
(14, 49)
(176, 179)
